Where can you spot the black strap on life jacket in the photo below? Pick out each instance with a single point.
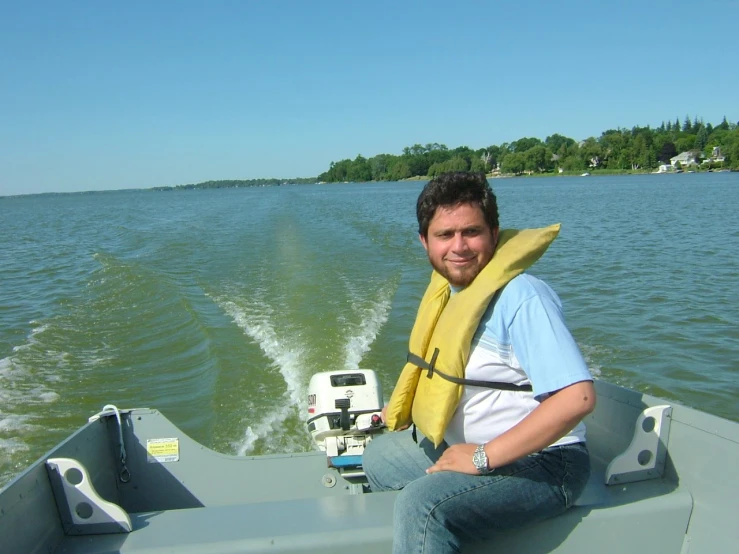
(432, 369)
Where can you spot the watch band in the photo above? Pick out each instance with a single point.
(480, 460)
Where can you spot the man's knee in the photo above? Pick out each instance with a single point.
(407, 503)
(374, 462)
(420, 514)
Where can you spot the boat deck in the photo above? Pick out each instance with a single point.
(214, 503)
(619, 518)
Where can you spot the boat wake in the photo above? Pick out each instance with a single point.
(23, 390)
(371, 319)
(280, 427)
(286, 354)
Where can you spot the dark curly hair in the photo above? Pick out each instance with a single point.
(451, 189)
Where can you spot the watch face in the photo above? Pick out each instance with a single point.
(480, 460)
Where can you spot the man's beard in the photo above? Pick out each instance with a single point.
(458, 279)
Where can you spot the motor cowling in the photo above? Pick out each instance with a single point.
(344, 412)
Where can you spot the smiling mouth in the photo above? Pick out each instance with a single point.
(460, 262)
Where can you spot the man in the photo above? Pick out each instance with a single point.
(512, 450)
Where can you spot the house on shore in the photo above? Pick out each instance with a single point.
(689, 157)
(716, 156)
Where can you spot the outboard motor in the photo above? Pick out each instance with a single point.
(344, 413)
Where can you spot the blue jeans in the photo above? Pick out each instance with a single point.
(438, 513)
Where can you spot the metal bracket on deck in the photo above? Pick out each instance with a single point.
(83, 511)
(645, 457)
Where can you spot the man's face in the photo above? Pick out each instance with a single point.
(459, 242)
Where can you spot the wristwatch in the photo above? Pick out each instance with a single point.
(480, 459)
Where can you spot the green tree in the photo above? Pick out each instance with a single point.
(464, 152)
(731, 155)
(493, 154)
(556, 141)
(667, 152)
(614, 144)
(639, 153)
(399, 171)
(592, 153)
(478, 165)
(521, 145)
(566, 153)
(730, 147)
(457, 163)
(538, 158)
(418, 165)
(380, 166)
(651, 159)
(701, 138)
(435, 169)
(359, 171)
(685, 142)
(417, 150)
(513, 162)
(573, 162)
(437, 156)
(337, 172)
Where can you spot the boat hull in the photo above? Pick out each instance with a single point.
(204, 501)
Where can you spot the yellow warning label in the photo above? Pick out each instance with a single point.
(163, 450)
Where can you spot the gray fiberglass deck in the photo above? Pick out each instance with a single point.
(677, 499)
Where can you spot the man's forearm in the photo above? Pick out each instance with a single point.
(549, 422)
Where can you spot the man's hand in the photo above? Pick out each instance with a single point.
(456, 458)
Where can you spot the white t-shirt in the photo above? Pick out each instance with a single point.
(522, 339)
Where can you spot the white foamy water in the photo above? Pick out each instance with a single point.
(32, 338)
(365, 333)
(286, 354)
(26, 374)
(11, 423)
(591, 354)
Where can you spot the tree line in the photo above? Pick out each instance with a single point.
(238, 183)
(635, 149)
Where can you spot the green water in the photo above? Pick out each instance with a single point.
(217, 306)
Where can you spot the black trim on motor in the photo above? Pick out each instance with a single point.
(335, 414)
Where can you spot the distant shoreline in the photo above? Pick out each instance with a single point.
(213, 184)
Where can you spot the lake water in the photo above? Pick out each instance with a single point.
(216, 306)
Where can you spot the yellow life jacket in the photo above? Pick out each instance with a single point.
(444, 329)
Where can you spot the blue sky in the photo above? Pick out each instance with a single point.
(110, 95)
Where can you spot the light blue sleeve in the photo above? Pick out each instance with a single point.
(543, 344)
